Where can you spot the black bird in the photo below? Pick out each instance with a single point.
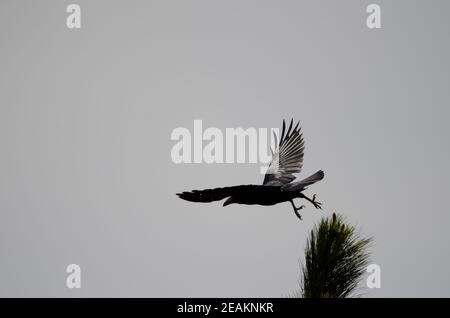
(278, 186)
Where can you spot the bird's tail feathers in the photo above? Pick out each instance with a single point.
(301, 185)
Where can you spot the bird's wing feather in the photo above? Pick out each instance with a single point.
(288, 157)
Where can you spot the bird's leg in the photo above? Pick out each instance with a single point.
(297, 209)
(317, 205)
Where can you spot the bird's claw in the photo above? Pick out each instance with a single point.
(317, 204)
(297, 209)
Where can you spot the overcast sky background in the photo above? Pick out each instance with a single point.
(86, 175)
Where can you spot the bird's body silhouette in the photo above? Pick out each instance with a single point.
(279, 183)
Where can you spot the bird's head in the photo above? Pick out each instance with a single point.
(228, 201)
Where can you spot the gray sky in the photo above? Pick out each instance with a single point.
(86, 115)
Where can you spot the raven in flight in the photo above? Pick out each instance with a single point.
(278, 186)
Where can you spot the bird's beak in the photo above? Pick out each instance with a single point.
(228, 201)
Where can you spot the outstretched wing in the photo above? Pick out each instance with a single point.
(209, 195)
(288, 157)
